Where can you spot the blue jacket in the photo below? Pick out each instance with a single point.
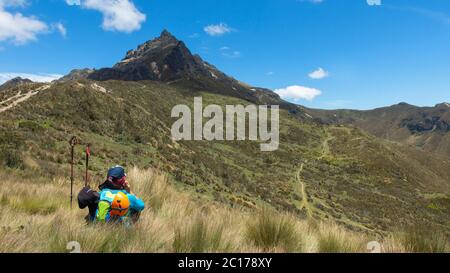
(107, 197)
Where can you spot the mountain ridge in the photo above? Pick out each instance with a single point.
(425, 127)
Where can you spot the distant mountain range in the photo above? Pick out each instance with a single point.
(424, 127)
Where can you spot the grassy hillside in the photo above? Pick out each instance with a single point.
(320, 172)
(36, 218)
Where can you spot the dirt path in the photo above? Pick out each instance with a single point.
(302, 188)
(325, 151)
(304, 204)
(19, 97)
(326, 146)
(19, 93)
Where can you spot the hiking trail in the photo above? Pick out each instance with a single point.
(326, 146)
(304, 203)
(21, 97)
(302, 190)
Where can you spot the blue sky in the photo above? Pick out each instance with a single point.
(318, 53)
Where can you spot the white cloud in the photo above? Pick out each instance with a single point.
(217, 30)
(16, 27)
(42, 77)
(318, 74)
(12, 3)
(270, 73)
(61, 29)
(118, 15)
(374, 2)
(73, 2)
(296, 93)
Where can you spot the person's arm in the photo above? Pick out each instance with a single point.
(103, 209)
(136, 204)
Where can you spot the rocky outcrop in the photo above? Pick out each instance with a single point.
(162, 59)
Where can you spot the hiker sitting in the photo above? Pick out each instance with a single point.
(117, 206)
(116, 180)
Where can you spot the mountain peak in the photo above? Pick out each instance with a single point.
(168, 59)
(164, 58)
(15, 82)
(166, 39)
(166, 34)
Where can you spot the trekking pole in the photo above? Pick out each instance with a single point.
(73, 141)
(88, 154)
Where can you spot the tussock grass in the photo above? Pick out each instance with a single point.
(197, 237)
(424, 239)
(154, 187)
(334, 239)
(331, 242)
(271, 231)
(36, 217)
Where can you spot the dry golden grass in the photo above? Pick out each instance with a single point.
(274, 232)
(333, 239)
(36, 217)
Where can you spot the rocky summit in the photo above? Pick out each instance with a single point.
(163, 59)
